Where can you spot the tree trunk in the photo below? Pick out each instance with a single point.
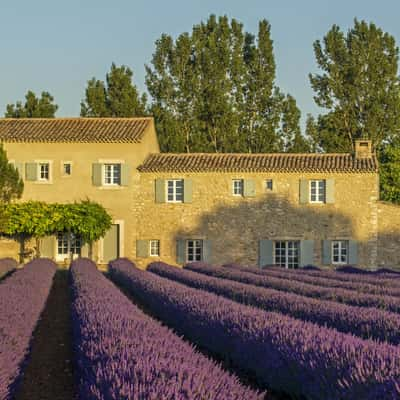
(90, 254)
(21, 249)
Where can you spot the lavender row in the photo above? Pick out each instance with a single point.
(123, 354)
(22, 299)
(6, 266)
(367, 323)
(282, 352)
(388, 303)
(298, 276)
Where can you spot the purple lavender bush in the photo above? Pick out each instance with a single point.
(121, 353)
(7, 265)
(346, 296)
(367, 323)
(284, 353)
(22, 298)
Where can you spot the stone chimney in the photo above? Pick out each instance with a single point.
(363, 148)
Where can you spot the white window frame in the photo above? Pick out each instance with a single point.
(320, 194)
(174, 190)
(286, 255)
(237, 187)
(154, 248)
(267, 189)
(68, 241)
(342, 245)
(63, 164)
(50, 166)
(196, 244)
(113, 166)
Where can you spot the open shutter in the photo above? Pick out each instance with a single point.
(330, 191)
(97, 174)
(19, 166)
(142, 248)
(306, 252)
(207, 251)
(31, 171)
(265, 252)
(125, 174)
(303, 191)
(160, 190)
(249, 188)
(180, 251)
(353, 252)
(326, 252)
(48, 246)
(187, 190)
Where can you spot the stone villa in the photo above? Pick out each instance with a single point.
(284, 209)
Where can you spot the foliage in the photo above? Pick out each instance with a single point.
(33, 107)
(305, 359)
(214, 91)
(118, 97)
(123, 353)
(11, 184)
(23, 296)
(390, 172)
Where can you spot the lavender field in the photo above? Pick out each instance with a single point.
(208, 332)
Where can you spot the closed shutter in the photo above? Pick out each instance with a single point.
(31, 171)
(97, 170)
(19, 166)
(48, 246)
(303, 191)
(353, 252)
(85, 250)
(142, 248)
(265, 252)
(187, 190)
(327, 252)
(125, 174)
(306, 252)
(207, 251)
(330, 191)
(181, 251)
(249, 188)
(160, 190)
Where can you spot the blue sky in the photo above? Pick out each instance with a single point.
(58, 45)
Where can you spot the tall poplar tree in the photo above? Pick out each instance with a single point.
(214, 90)
(117, 97)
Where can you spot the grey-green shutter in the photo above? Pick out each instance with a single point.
(249, 188)
(306, 252)
(187, 190)
(327, 252)
(31, 171)
(97, 170)
(48, 246)
(330, 191)
(180, 251)
(19, 166)
(353, 252)
(85, 250)
(125, 174)
(142, 248)
(207, 251)
(160, 190)
(303, 191)
(265, 252)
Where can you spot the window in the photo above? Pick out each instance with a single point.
(67, 244)
(317, 191)
(339, 251)
(112, 174)
(269, 185)
(287, 254)
(67, 169)
(194, 250)
(154, 248)
(237, 187)
(175, 191)
(44, 171)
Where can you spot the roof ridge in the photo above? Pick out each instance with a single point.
(251, 154)
(74, 118)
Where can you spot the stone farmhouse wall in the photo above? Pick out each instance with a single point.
(388, 235)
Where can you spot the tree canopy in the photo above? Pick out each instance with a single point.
(117, 97)
(11, 184)
(214, 90)
(33, 107)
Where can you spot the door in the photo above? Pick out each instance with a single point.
(111, 244)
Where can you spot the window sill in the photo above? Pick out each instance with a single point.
(42, 182)
(116, 187)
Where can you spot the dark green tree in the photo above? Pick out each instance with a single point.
(118, 97)
(11, 184)
(33, 107)
(214, 90)
(390, 173)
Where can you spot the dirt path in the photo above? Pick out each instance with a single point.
(48, 374)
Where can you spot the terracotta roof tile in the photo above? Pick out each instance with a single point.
(70, 130)
(270, 162)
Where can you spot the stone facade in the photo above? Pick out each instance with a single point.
(388, 235)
